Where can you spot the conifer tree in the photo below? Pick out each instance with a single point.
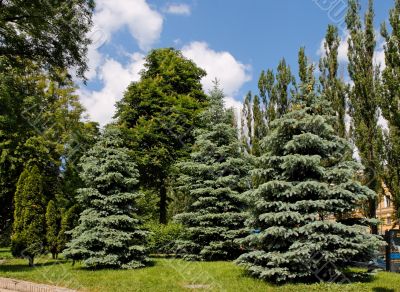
(364, 98)
(52, 229)
(389, 104)
(109, 235)
(214, 178)
(303, 178)
(28, 237)
(331, 86)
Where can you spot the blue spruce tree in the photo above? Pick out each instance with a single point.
(305, 198)
(214, 177)
(109, 235)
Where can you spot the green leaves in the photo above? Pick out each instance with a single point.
(29, 235)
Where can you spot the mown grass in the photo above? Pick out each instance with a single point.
(175, 275)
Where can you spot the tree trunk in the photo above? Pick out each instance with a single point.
(30, 261)
(372, 214)
(163, 204)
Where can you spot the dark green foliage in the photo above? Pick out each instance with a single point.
(53, 33)
(213, 179)
(160, 113)
(389, 104)
(29, 235)
(332, 87)
(52, 229)
(364, 97)
(109, 234)
(39, 120)
(69, 221)
(304, 178)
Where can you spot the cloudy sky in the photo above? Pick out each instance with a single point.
(233, 40)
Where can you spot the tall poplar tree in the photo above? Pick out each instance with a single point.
(214, 178)
(364, 97)
(332, 86)
(389, 103)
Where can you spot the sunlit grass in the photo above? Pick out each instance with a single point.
(173, 275)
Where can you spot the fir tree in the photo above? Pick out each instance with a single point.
(364, 98)
(52, 229)
(389, 104)
(109, 235)
(303, 178)
(28, 237)
(214, 177)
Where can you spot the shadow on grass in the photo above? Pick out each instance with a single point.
(380, 289)
(26, 268)
(346, 278)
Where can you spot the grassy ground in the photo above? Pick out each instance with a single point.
(173, 275)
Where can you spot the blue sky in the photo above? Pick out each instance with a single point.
(232, 40)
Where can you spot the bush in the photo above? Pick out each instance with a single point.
(163, 237)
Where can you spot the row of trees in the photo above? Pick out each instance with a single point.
(374, 93)
(267, 195)
(42, 129)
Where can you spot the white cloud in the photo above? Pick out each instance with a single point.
(144, 23)
(179, 9)
(231, 73)
(100, 105)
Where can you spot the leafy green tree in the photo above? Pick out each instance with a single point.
(69, 220)
(160, 112)
(306, 74)
(214, 178)
(389, 102)
(364, 98)
(39, 120)
(247, 124)
(332, 86)
(109, 234)
(304, 177)
(52, 229)
(29, 236)
(260, 127)
(51, 32)
(275, 93)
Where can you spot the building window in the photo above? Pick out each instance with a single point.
(386, 201)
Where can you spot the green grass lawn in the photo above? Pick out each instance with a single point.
(172, 275)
